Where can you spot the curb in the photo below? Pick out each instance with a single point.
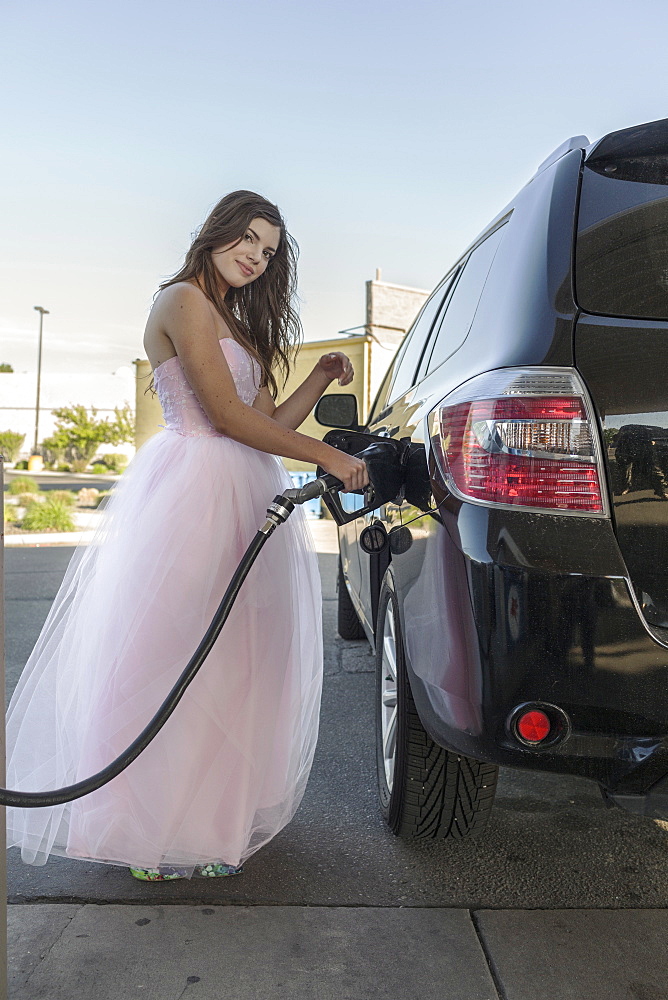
(322, 529)
(62, 475)
(50, 538)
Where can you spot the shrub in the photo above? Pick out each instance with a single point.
(23, 464)
(11, 517)
(115, 461)
(52, 515)
(63, 467)
(87, 496)
(79, 464)
(23, 484)
(10, 444)
(25, 499)
(53, 449)
(66, 496)
(99, 469)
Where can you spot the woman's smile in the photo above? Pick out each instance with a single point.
(256, 247)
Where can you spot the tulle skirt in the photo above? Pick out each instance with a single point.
(229, 768)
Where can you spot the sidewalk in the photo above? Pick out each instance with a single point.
(229, 950)
(91, 952)
(89, 521)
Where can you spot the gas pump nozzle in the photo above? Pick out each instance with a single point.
(388, 462)
(385, 461)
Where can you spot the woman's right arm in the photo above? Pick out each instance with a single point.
(185, 315)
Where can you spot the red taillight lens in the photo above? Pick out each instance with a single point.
(532, 451)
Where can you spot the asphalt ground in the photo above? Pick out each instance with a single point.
(560, 898)
(551, 842)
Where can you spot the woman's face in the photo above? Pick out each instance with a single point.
(241, 263)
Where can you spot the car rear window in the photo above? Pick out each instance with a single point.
(621, 256)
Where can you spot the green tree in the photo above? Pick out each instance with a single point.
(11, 443)
(609, 435)
(124, 425)
(4, 367)
(81, 431)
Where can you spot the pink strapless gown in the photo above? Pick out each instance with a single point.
(230, 767)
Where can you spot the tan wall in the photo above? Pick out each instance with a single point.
(390, 309)
(148, 412)
(358, 350)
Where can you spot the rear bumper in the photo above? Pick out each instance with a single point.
(653, 804)
(561, 628)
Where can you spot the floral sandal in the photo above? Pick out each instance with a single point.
(215, 871)
(158, 874)
(165, 874)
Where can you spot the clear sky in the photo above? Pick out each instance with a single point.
(388, 133)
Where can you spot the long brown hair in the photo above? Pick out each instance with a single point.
(260, 314)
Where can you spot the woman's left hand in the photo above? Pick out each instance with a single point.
(337, 365)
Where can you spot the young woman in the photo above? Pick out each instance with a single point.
(230, 767)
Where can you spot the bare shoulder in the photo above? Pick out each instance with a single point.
(185, 315)
(182, 297)
(170, 306)
(184, 308)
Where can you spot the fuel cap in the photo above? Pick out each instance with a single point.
(373, 538)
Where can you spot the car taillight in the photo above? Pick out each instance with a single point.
(524, 437)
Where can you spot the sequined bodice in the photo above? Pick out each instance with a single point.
(181, 406)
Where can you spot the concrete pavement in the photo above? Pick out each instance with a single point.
(337, 907)
(91, 952)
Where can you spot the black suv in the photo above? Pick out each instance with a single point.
(514, 583)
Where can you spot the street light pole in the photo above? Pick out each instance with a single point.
(42, 312)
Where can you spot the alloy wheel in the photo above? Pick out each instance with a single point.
(388, 696)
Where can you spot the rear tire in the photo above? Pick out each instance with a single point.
(349, 625)
(425, 791)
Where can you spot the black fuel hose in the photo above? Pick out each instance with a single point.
(277, 513)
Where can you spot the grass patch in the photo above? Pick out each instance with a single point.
(52, 515)
(67, 497)
(23, 484)
(26, 499)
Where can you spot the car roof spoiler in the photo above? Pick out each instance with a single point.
(640, 140)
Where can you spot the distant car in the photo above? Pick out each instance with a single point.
(515, 590)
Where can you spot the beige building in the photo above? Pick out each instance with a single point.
(390, 309)
(148, 412)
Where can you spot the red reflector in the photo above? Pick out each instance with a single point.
(533, 726)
